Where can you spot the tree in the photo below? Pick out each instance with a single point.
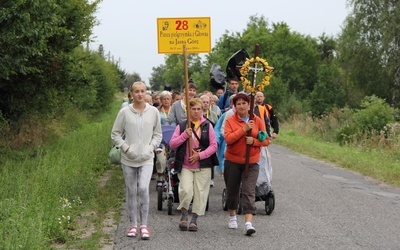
(156, 79)
(369, 47)
(35, 33)
(174, 70)
(37, 39)
(130, 79)
(327, 47)
(327, 92)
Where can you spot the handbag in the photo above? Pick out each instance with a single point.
(115, 155)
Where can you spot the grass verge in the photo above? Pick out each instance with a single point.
(60, 196)
(382, 165)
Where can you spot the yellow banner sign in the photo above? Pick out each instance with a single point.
(173, 33)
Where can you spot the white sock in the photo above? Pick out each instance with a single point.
(232, 217)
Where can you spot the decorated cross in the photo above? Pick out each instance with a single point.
(252, 87)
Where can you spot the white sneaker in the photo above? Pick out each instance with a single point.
(249, 229)
(211, 183)
(232, 224)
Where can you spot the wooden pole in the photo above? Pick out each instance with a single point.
(185, 68)
(251, 114)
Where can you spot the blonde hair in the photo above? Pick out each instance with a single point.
(195, 101)
(138, 83)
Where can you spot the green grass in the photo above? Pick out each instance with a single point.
(382, 165)
(45, 195)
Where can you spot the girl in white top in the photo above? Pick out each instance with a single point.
(140, 123)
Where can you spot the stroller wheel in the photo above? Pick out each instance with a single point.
(270, 203)
(159, 197)
(224, 197)
(170, 201)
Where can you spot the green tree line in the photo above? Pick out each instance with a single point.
(311, 74)
(47, 74)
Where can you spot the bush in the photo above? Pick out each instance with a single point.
(371, 119)
(292, 107)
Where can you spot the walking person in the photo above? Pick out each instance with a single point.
(219, 134)
(235, 134)
(178, 109)
(223, 102)
(262, 107)
(161, 153)
(194, 170)
(140, 123)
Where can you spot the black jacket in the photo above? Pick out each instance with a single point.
(204, 143)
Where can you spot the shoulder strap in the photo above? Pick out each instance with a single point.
(207, 125)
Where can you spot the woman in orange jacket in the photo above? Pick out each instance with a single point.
(235, 133)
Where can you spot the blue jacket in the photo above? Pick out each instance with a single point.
(223, 102)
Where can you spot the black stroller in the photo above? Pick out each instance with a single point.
(169, 192)
(264, 190)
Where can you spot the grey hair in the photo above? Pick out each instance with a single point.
(164, 93)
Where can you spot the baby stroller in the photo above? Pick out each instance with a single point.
(169, 191)
(264, 190)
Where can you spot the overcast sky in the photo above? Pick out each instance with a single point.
(128, 28)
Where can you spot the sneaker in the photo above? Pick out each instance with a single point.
(249, 229)
(232, 224)
(212, 183)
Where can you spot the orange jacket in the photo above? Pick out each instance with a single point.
(235, 138)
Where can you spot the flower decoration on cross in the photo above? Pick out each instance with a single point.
(244, 71)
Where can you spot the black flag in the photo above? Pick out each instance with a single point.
(235, 62)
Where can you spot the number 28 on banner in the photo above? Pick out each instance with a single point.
(173, 33)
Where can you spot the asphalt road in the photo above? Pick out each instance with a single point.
(318, 206)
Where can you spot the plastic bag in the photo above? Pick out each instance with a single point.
(217, 77)
(115, 155)
(264, 180)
